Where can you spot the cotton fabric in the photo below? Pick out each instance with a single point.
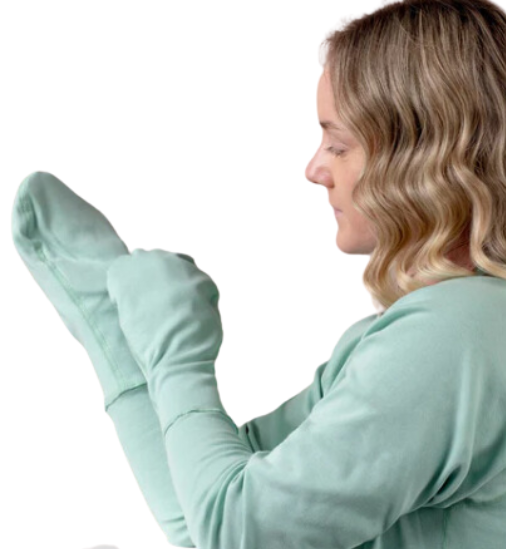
(400, 442)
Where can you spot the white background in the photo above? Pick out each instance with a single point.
(189, 125)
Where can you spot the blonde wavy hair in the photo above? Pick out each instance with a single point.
(422, 86)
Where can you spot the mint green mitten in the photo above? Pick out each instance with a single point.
(168, 311)
(68, 245)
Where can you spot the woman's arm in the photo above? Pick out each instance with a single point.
(384, 441)
(140, 435)
(267, 431)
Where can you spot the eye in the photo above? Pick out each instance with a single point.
(335, 152)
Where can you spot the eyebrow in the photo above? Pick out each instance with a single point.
(328, 125)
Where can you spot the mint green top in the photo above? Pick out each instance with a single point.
(398, 443)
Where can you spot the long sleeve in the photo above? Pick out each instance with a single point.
(139, 431)
(393, 432)
(387, 439)
(267, 431)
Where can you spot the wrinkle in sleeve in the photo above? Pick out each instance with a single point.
(384, 441)
(265, 432)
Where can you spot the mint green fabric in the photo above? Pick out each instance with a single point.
(398, 443)
(405, 448)
(67, 246)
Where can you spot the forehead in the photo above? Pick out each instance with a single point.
(325, 97)
(328, 116)
(324, 83)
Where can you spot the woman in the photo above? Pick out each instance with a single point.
(400, 440)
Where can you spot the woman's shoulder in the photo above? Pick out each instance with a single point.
(481, 295)
(463, 310)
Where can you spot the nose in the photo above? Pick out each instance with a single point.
(311, 172)
(317, 173)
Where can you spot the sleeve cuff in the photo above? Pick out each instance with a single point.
(181, 389)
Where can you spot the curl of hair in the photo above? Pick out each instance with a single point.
(422, 86)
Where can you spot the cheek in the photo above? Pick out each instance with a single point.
(361, 223)
(357, 224)
(365, 231)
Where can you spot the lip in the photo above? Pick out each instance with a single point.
(337, 212)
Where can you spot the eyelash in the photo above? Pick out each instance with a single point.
(335, 152)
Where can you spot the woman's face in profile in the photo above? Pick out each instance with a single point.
(336, 165)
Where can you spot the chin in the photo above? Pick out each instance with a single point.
(354, 248)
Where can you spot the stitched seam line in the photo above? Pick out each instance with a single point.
(179, 416)
(99, 337)
(62, 279)
(129, 390)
